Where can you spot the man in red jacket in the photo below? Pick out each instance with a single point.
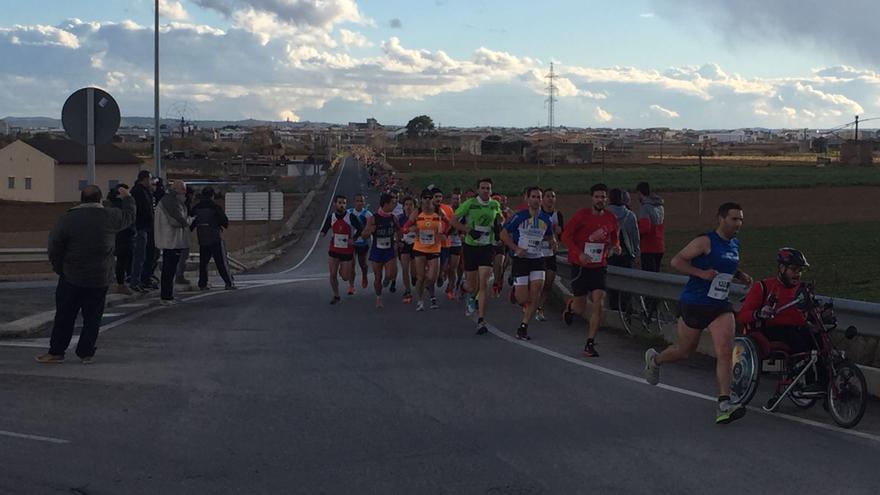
(651, 229)
(590, 235)
(788, 325)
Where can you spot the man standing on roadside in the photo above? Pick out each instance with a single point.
(142, 256)
(171, 227)
(651, 228)
(81, 251)
(210, 221)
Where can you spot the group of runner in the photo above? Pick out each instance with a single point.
(474, 237)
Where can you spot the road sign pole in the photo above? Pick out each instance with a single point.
(90, 136)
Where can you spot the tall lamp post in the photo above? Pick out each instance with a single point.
(157, 133)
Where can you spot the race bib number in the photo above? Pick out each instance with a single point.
(455, 239)
(531, 241)
(340, 241)
(383, 242)
(720, 287)
(594, 251)
(426, 237)
(485, 238)
(409, 238)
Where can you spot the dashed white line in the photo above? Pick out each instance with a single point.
(38, 438)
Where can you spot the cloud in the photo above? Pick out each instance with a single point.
(647, 15)
(352, 39)
(601, 115)
(39, 35)
(395, 23)
(847, 30)
(171, 9)
(323, 14)
(664, 112)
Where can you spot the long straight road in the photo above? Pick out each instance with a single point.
(272, 390)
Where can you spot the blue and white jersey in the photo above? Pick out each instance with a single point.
(529, 232)
(362, 216)
(724, 259)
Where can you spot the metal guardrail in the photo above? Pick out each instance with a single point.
(30, 255)
(863, 315)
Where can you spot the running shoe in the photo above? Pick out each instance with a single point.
(450, 293)
(470, 305)
(364, 282)
(386, 282)
(496, 289)
(335, 300)
(379, 304)
(482, 327)
(728, 412)
(420, 306)
(539, 315)
(407, 297)
(393, 287)
(439, 282)
(434, 304)
(50, 358)
(652, 369)
(567, 314)
(351, 291)
(522, 333)
(512, 296)
(590, 350)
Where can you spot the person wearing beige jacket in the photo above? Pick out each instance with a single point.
(171, 227)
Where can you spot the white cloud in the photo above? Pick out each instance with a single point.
(172, 9)
(601, 115)
(289, 116)
(315, 13)
(664, 112)
(40, 35)
(353, 39)
(647, 15)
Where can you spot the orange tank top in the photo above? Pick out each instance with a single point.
(429, 233)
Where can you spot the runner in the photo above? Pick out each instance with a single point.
(590, 235)
(524, 235)
(481, 220)
(345, 227)
(385, 230)
(446, 248)
(711, 261)
(361, 245)
(455, 275)
(501, 260)
(548, 206)
(428, 225)
(405, 249)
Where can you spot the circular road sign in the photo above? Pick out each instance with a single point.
(74, 116)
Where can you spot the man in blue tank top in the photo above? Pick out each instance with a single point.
(712, 263)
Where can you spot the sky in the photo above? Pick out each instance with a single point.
(704, 64)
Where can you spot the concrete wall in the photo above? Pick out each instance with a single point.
(22, 161)
(67, 179)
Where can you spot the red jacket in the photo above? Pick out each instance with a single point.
(651, 225)
(758, 297)
(588, 231)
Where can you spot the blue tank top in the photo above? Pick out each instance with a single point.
(723, 258)
(362, 216)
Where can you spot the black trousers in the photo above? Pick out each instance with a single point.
(614, 295)
(69, 301)
(218, 252)
(651, 261)
(170, 258)
(123, 265)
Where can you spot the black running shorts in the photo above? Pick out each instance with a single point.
(699, 316)
(477, 256)
(586, 280)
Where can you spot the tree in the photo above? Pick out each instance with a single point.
(419, 126)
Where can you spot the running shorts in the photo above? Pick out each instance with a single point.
(444, 255)
(476, 256)
(586, 280)
(550, 264)
(455, 251)
(381, 255)
(525, 270)
(699, 316)
(406, 249)
(429, 256)
(361, 249)
(341, 257)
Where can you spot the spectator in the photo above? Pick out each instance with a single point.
(180, 277)
(210, 221)
(142, 255)
(651, 229)
(81, 251)
(172, 236)
(629, 238)
(124, 245)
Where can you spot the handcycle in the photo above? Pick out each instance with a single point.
(845, 392)
(642, 313)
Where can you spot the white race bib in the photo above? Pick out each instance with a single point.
(455, 240)
(409, 238)
(720, 287)
(340, 241)
(594, 251)
(484, 239)
(383, 242)
(531, 241)
(426, 237)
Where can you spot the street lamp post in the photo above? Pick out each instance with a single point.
(157, 134)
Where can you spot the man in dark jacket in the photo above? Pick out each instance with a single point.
(81, 251)
(209, 224)
(142, 255)
(124, 245)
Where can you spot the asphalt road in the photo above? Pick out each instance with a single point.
(272, 390)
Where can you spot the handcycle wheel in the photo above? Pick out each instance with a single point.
(746, 363)
(847, 394)
(662, 316)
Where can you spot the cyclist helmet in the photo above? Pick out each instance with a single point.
(791, 257)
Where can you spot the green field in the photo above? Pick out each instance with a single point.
(843, 257)
(661, 178)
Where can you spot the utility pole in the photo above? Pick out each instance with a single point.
(157, 134)
(552, 91)
(857, 129)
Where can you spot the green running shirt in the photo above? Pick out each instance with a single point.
(479, 217)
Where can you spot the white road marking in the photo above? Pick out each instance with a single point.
(683, 391)
(131, 305)
(37, 438)
(112, 315)
(318, 234)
